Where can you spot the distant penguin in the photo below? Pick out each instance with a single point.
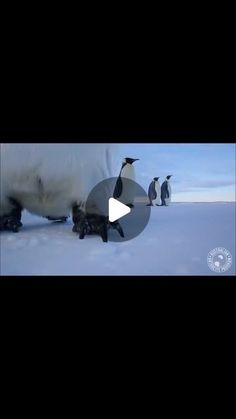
(166, 191)
(125, 191)
(154, 192)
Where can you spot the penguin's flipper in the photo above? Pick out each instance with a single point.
(164, 190)
(116, 226)
(154, 192)
(118, 188)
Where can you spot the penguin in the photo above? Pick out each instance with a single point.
(125, 191)
(166, 191)
(53, 181)
(154, 192)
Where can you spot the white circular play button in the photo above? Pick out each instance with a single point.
(117, 210)
(125, 220)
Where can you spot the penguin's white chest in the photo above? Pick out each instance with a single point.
(158, 189)
(158, 192)
(128, 172)
(128, 188)
(168, 200)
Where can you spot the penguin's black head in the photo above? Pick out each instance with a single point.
(168, 177)
(130, 160)
(156, 178)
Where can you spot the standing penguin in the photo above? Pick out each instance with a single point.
(166, 191)
(125, 190)
(154, 192)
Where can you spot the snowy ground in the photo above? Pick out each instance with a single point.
(175, 242)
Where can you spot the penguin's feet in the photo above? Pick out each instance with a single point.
(10, 223)
(149, 205)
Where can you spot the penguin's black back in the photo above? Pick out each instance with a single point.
(164, 189)
(152, 190)
(118, 188)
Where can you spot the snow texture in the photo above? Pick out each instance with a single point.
(176, 241)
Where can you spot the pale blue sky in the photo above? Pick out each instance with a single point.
(201, 172)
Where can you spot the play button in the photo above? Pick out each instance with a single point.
(127, 212)
(117, 210)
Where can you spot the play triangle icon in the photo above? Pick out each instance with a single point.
(117, 210)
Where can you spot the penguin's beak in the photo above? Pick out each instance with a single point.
(133, 160)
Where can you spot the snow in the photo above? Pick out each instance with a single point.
(176, 241)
